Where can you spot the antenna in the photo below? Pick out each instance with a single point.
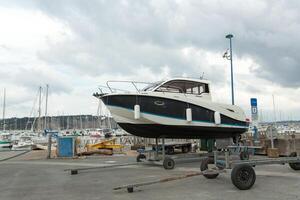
(201, 77)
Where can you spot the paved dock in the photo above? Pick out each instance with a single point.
(46, 179)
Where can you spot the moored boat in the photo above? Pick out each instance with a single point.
(5, 140)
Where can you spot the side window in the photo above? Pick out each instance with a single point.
(205, 88)
(189, 90)
(170, 89)
(196, 90)
(171, 86)
(201, 89)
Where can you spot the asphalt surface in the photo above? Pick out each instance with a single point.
(46, 179)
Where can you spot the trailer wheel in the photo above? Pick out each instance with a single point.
(204, 166)
(130, 189)
(244, 155)
(170, 150)
(185, 149)
(294, 166)
(74, 172)
(139, 157)
(243, 176)
(169, 163)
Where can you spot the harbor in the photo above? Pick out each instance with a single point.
(149, 100)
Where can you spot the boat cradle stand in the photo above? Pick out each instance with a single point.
(156, 154)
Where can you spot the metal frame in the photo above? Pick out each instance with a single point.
(228, 164)
(154, 157)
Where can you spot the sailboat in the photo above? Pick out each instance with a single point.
(5, 138)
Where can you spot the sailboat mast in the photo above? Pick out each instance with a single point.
(46, 107)
(3, 114)
(39, 111)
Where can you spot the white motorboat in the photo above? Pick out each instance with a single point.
(24, 143)
(5, 140)
(175, 108)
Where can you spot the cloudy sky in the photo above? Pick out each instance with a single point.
(74, 46)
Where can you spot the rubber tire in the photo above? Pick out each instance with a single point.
(139, 157)
(294, 166)
(204, 166)
(185, 149)
(170, 151)
(130, 189)
(236, 174)
(244, 155)
(169, 163)
(74, 172)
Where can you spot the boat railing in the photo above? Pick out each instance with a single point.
(111, 89)
(133, 83)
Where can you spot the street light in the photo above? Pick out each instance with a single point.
(229, 36)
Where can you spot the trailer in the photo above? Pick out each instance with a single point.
(242, 171)
(243, 175)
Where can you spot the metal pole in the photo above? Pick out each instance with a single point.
(163, 148)
(232, 91)
(230, 36)
(272, 140)
(39, 111)
(49, 145)
(156, 149)
(3, 114)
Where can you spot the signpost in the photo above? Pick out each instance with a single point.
(254, 114)
(254, 117)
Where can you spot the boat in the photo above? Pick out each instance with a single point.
(24, 143)
(173, 108)
(5, 140)
(118, 132)
(98, 133)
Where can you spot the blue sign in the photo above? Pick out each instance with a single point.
(253, 102)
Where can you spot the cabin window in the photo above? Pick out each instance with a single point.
(181, 86)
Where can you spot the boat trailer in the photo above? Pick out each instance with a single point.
(243, 175)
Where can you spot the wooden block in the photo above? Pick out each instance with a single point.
(273, 152)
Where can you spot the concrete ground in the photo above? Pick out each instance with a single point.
(46, 179)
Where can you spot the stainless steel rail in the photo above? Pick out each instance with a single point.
(132, 82)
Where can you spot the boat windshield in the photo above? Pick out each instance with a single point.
(182, 86)
(152, 86)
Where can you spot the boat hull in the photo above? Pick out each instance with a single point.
(166, 117)
(180, 132)
(5, 144)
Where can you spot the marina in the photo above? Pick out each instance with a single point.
(149, 100)
(196, 139)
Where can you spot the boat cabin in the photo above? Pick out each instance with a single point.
(193, 87)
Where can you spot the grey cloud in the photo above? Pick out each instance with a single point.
(32, 78)
(119, 36)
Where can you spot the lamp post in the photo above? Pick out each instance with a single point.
(230, 36)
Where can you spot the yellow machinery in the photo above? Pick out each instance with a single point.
(106, 144)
